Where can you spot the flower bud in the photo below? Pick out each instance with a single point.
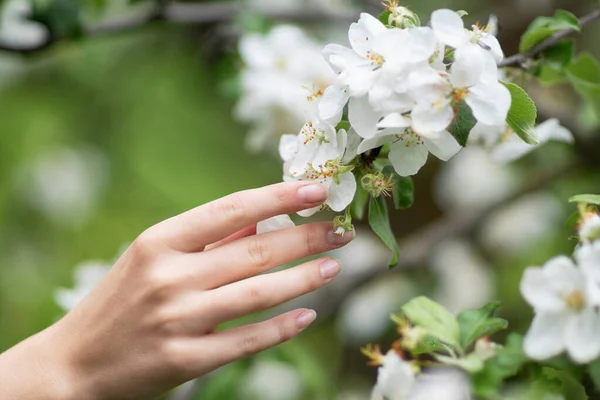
(401, 17)
(377, 184)
(342, 224)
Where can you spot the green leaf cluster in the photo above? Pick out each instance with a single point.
(522, 114)
(544, 27)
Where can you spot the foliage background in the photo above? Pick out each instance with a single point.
(152, 102)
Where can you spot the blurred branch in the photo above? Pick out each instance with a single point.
(190, 13)
(519, 60)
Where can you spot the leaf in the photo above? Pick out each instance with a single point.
(380, 223)
(434, 318)
(384, 17)
(594, 370)
(584, 75)
(522, 114)
(506, 364)
(471, 363)
(475, 324)
(586, 198)
(62, 17)
(462, 124)
(428, 345)
(544, 27)
(357, 207)
(570, 388)
(559, 55)
(404, 192)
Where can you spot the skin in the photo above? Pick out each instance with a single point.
(151, 324)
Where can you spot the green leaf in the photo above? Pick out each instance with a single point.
(594, 370)
(345, 125)
(471, 363)
(584, 75)
(559, 55)
(475, 324)
(434, 318)
(384, 17)
(586, 198)
(544, 27)
(62, 17)
(462, 124)
(428, 345)
(569, 387)
(522, 114)
(380, 223)
(359, 203)
(404, 192)
(507, 363)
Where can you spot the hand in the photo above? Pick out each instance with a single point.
(150, 325)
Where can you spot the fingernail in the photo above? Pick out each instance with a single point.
(338, 240)
(330, 268)
(314, 193)
(305, 318)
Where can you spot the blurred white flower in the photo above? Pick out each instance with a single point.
(16, 30)
(566, 318)
(86, 276)
(276, 223)
(64, 183)
(471, 180)
(522, 223)
(588, 259)
(284, 76)
(395, 379)
(441, 384)
(365, 315)
(271, 380)
(589, 229)
(505, 146)
(465, 280)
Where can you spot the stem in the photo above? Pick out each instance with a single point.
(518, 60)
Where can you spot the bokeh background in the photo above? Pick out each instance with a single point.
(110, 132)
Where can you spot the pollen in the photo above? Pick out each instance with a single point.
(460, 94)
(375, 58)
(575, 300)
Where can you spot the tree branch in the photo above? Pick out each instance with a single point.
(519, 60)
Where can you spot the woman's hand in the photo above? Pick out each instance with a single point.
(150, 325)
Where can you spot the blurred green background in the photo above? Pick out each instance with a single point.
(150, 110)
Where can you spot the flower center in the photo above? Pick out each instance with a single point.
(311, 133)
(575, 300)
(460, 94)
(409, 138)
(376, 60)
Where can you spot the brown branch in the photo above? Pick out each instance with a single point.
(519, 60)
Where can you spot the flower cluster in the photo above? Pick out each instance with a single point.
(401, 86)
(565, 295)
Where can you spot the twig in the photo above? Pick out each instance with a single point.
(519, 60)
(189, 13)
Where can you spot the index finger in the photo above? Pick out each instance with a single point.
(211, 222)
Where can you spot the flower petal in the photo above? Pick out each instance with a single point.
(489, 102)
(275, 223)
(581, 336)
(394, 120)
(341, 195)
(408, 155)
(449, 28)
(493, 46)
(537, 291)
(362, 33)
(288, 146)
(362, 117)
(551, 129)
(377, 141)
(331, 105)
(545, 338)
(469, 65)
(444, 146)
(428, 118)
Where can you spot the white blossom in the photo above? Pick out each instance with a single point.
(87, 275)
(588, 259)
(271, 380)
(566, 318)
(395, 379)
(16, 30)
(275, 223)
(589, 228)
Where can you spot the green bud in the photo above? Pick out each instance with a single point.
(377, 184)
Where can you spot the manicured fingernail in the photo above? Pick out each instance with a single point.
(314, 193)
(305, 318)
(330, 268)
(338, 240)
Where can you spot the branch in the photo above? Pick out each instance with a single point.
(519, 60)
(189, 13)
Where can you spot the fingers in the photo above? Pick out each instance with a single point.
(193, 230)
(265, 291)
(233, 344)
(256, 254)
(247, 231)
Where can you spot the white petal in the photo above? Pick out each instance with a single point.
(489, 102)
(581, 336)
(288, 146)
(310, 212)
(511, 149)
(275, 223)
(375, 142)
(428, 118)
(351, 147)
(359, 79)
(538, 292)
(340, 57)
(428, 85)
(545, 338)
(342, 141)
(395, 378)
(444, 146)
(331, 105)
(341, 195)
(384, 98)
(363, 32)
(588, 259)
(469, 65)
(489, 135)
(493, 46)
(423, 43)
(449, 28)
(408, 156)
(551, 129)
(362, 117)
(394, 120)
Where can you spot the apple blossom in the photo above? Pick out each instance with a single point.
(276, 223)
(589, 227)
(566, 318)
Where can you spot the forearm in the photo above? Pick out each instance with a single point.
(31, 370)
